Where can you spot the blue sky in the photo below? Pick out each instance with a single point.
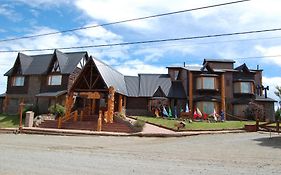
(29, 17)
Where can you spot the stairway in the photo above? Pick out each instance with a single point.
(88, 123)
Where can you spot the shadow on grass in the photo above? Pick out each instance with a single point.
(274, 142)
(9, 120)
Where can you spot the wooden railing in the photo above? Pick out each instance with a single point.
(73, 115)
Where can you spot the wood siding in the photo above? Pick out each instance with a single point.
(17, 89)
(48, 88)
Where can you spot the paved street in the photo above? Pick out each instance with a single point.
(244, 153)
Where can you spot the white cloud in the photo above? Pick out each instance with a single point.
(8, 12)
(43, 3)
(272, 82)
(57, 41)
(274, 51)
(136, 66)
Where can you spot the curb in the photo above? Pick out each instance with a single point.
(140, 134)
(8, 130)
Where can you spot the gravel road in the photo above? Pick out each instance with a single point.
(243, 153)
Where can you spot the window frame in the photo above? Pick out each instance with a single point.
(200, 81)
(50, 80)
(14, 81)
(238, 84)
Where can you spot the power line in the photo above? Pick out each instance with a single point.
(123, 21)
(147, 41)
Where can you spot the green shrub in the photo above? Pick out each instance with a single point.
(254, 111)
(119, 116)
(57, 110)
(138, 125)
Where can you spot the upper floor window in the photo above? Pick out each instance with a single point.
(243, 87)
(205, 83)
(54, 79)
(18, 81)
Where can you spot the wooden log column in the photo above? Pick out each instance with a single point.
(99, 127)
(5, 104)
(223, 95)
(110, 104)
(68, 104)
(120, 101)
(190, 77)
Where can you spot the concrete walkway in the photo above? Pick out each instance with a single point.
(149, 129)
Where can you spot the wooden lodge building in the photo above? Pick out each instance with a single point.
(77, 80)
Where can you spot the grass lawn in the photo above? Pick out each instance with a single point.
(9, 121)
(196, 125)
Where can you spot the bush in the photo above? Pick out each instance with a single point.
(254, 111)
(138, 125)
(119, 116)
(57, 110)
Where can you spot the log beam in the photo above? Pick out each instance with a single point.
(223, 95)
(190, 77)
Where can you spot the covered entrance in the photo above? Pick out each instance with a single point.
(94, 96)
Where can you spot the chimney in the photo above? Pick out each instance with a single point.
(258, 67)
(183, 64)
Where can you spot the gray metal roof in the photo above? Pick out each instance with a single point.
(177, 90)
(3, 95)
(51, 94)
(111, 77)
(39, 64)
(149, 83)
(132, 84)
(199, 69)
(263, 99)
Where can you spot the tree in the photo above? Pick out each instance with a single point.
(254, 111)
(278, 92)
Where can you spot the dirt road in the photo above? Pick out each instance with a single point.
(244, 153)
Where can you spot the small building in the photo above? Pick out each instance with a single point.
(77, 80)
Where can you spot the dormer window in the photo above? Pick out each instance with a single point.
(243, 87)
(54, 80)
(18, 81)
(207, 83)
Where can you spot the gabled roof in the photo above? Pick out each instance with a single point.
(39, 64)
(149, 83)
(111, 77)
(132, 84)
(159, 92)
(243, 68)
(177, 90)
(207, 67)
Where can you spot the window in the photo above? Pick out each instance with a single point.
(243, 87)
(239, 109)
(18, 81)
(205, 83)
(54, 80)
(206, 106)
